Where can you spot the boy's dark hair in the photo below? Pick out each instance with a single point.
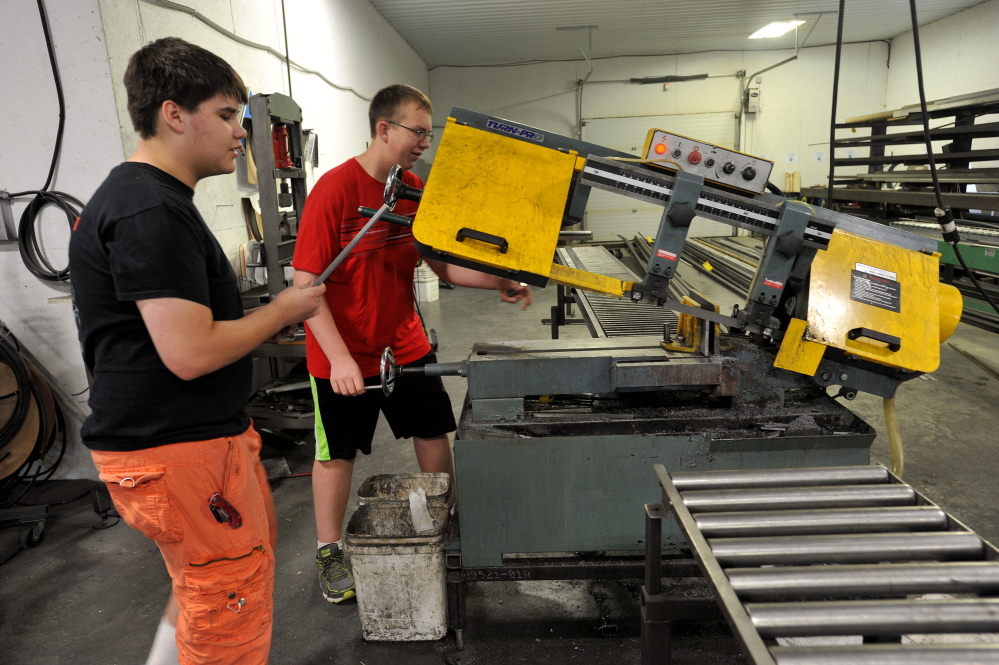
(173, 69)
(387, 101)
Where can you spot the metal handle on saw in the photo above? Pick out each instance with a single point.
(499, 241)
(395, 189)
(388, 217)
(388, 372)
(894, 343)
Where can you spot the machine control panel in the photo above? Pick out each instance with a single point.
(721, 165)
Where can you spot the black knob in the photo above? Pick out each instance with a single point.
(709, 162)
(729, 168)
(677, 153)
(748, 173)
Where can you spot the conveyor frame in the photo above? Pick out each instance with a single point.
(763, 564)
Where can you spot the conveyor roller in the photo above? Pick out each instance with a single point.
(887, 654)
(839, 520)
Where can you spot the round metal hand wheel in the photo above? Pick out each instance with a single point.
(387, 372)
(393, 188)
(396, 189)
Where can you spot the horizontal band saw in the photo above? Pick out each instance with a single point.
(557, 438)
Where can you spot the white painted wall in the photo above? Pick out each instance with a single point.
(959, 55)
(91, 147)
(346, 40)
(794, 114)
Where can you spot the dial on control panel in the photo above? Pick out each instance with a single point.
(713, 162)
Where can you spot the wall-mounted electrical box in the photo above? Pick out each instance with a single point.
(753, 99)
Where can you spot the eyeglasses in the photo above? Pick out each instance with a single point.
(421, 133)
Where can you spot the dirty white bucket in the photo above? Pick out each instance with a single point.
(399, 577)
(395, 488)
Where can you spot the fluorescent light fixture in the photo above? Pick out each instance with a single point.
(775, 29)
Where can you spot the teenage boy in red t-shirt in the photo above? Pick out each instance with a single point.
(368, 306)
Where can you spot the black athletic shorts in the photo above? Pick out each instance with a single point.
(419, 406)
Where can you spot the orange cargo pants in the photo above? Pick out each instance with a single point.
(223, 578)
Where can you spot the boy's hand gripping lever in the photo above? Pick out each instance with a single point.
(388, 372)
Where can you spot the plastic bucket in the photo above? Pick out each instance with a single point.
(399, 577)
(395, 488)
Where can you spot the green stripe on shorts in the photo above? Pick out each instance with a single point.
(322, 445)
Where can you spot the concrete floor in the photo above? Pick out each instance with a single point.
(86, 596)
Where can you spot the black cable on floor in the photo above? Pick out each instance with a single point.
(100, 526)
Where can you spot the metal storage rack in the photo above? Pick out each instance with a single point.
(282, 199)
(955, 160)
(279, 227)
(835, 551)
(911, 205)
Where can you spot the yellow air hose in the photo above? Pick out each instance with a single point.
(894, 437)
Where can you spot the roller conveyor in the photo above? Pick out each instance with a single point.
(607, 316)
(848, 551)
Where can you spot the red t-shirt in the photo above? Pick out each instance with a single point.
(371, 293)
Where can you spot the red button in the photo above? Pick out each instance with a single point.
(694, 157)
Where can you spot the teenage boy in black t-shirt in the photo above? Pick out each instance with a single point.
(164, 335)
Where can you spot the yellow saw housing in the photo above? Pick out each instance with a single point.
(859, 285)
(500, 202)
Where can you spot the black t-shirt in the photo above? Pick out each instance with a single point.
(141, 237)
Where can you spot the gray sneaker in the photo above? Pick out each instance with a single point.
(335, 580)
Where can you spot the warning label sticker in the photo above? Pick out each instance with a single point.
(875, 290)
(773, 283)
(663, 254)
